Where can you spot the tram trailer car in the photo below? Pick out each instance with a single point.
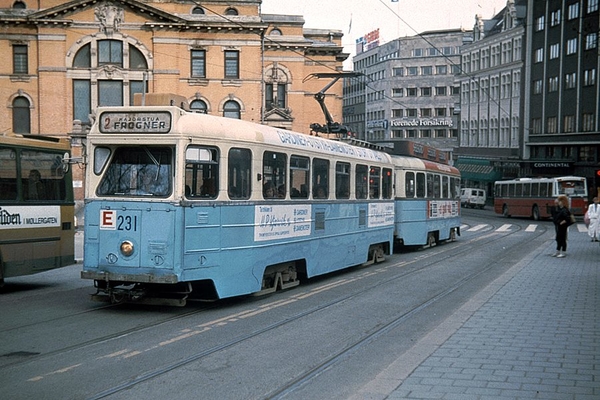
(427, 207)
(183, 204)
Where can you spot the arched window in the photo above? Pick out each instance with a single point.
(231, 11)
(21, 115)
(275, 32)
(94, 83)
(199, 106)
(82, 58)
(231, 109)
(198, 10)
(136, 59)
(19, 5)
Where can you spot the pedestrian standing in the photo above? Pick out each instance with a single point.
(594, 216)
(561, 217)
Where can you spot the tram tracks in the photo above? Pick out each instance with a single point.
(420, 263)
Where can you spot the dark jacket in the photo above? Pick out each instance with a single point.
(560, 214)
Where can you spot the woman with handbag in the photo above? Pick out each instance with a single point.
(562, 219)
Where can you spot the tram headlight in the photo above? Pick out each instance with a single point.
(127, 248)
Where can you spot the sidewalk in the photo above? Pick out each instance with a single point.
(534, 333)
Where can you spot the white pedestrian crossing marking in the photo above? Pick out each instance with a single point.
(477, 227)
(531, 228)
(504, 228)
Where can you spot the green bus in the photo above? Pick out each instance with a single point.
(37, 230)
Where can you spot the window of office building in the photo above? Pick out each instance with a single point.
(588, 122)
(552, 125)
(589, 77)
(569, 123)
(573, 11)
(572, 46)
(571, 80)
(592, 6)
(554, 51)
(553, 84)
(591, 40)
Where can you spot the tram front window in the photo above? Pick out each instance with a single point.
(138, 171)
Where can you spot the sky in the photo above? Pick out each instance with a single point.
(356, 18)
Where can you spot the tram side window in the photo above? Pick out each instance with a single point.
(535, 189)
(420, 185)
(320, 178)
(374, 182)
(544, 190)
(42, 176)
(518, 189)
(526, 190)
(299, 177)
(430, 190)
(454, 188)
(386, 183)
(362, 176)
(445, 187)
(201, 172)
(8, 174)
(240, 168)
(342, 180)
(409, 185)
(274, 169)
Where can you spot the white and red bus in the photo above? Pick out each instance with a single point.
(534, 197)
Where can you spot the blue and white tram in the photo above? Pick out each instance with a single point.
(427, 203)
(218, 207)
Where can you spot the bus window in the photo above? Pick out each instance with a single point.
(201, 172)
(386, 183)
(138, 171)
(420, 185)
(299, 177)
(445, 187)
(320, 178)
(274, 168)
(374, 182)
(409, 185)
(544, 190)
(8, 174)
(361, 190)
(535, 189)
(526, 189)
(239, 173)
(342, 180)
(511, 190)
(42, 176)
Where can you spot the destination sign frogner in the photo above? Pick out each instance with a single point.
(142, 122)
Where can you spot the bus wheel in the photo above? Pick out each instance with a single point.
(535, 213)
(505, 211)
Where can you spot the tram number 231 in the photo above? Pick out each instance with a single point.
(109, 220)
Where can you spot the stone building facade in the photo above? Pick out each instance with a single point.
(63, 59)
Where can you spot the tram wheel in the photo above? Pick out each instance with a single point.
(431, 241)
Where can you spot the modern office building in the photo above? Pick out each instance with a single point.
(562, 100)
(408, 90)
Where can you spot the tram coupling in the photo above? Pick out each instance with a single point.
(142, 294)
